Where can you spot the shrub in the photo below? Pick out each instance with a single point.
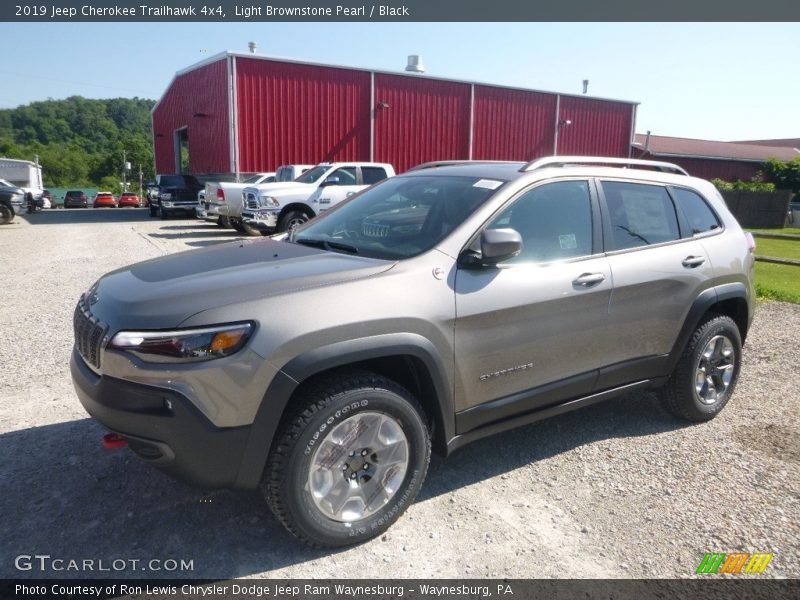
(747, 186)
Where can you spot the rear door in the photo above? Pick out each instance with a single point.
(529, 331)
(658, 270)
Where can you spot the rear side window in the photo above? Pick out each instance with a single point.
(701, 218)
(554, 221)
(640, 214)
(372, 175)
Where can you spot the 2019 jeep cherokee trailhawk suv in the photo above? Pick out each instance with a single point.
(434, 308)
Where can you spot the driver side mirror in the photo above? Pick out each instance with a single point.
(332, 180)
(497, 245)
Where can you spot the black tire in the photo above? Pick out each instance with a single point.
(680, 395)
(223, 221)
(250, 230)
(290, 219)
(6, 214)
(237, 224)
(322, 406)
(164, 214)
(153, 211)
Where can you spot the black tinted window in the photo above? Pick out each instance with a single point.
(640, 214)
(346, 175)
(700, 216)
(372, 174)
(554, 220)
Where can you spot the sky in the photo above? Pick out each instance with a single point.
(722, 81)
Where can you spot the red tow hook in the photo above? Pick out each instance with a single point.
(112, 441)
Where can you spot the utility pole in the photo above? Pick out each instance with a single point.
(140, 183)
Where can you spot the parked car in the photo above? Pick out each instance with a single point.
(75, 199)
(434, 308)
(12, 198)
(105, 200)
(277, 207)
(220, 198)
(174, 194)
(129, 199)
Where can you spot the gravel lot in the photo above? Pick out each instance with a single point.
(618, 490)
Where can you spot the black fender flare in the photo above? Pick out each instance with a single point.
(339, 354)
(704, 301)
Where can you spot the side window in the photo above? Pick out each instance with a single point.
(554, 220)
(640, 214)
(372, 175)
(346, 175)
(700, 216)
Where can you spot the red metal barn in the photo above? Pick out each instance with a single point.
(242, 113)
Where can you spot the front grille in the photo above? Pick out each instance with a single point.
(89, 334)
(375, 230)
(252, 201)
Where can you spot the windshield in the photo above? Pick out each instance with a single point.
(399, 217)
(312, 175)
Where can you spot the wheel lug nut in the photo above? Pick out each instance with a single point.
(345, 466)
(352, 454)
(366, 466)
(353, 475)
(364, 452)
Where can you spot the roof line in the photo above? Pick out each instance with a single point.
(382, 72)
(734, 158)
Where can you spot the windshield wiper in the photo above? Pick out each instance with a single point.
(326, 245)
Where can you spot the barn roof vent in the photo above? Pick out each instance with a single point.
(252, 46)
(415, 64)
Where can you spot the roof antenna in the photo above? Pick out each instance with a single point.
(252, 46)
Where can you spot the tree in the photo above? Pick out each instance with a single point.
(79, 141)
(785, 175)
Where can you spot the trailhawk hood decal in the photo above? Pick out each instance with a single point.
(163, 292)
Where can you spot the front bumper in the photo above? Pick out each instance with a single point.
(162, 427)
(262, 219)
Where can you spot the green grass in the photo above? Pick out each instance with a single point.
(778, 248)
(788, 230)
(778, 282)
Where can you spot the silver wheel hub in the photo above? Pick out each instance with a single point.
(714, 371)
(358, 466)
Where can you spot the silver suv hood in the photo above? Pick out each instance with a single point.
(165, 291)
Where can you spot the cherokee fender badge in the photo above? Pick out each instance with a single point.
(508, 371)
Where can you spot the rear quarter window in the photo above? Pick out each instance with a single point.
(696, 210)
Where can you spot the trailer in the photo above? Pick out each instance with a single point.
(24, 174)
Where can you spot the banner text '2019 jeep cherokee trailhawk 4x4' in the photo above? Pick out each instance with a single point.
(434, 308)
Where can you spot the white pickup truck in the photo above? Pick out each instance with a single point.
(276, 207)
(223, 200)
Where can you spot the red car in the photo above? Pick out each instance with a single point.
(105, 200)
(129, 199)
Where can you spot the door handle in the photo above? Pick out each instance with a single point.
(693, 261)
(588, 279)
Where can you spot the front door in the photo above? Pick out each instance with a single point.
(528, 332)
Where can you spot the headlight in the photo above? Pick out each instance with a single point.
(165, 195)
(184, 345)
(268, 202)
